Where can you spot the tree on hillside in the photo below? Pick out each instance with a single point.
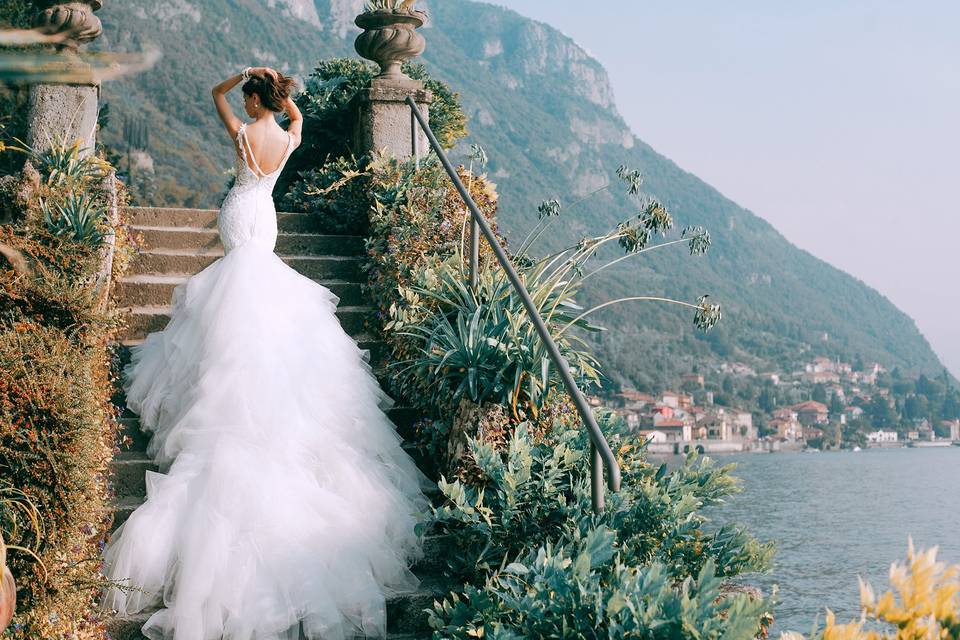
(951, 406)
(916, 407)
(768, 398)
(882, 415)
(819, 394)
(836, 406)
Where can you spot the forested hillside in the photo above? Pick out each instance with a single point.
(544, 112)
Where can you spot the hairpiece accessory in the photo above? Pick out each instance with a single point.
(245, 74)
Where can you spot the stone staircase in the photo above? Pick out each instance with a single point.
(180, 242)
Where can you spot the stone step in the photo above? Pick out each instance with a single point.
(190, 261)
(207, 219)
(150, 318)
(128, 475)
(157, 289)
(406, 618)
(402, 416)
(287, 243)
(366, 341)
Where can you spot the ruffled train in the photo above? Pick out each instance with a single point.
(284, 495)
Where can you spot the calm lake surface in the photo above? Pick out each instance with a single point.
(838, 515)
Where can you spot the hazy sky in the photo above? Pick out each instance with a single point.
(837, 121)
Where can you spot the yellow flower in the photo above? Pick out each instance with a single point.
(923, 605)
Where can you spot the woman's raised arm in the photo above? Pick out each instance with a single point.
(296, 121)
(230, 121)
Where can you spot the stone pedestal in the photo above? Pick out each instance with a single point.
(63, 113)
(383, 118)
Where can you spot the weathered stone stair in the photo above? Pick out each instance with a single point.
(178, 243)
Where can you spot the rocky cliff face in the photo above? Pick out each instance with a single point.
(544, 111)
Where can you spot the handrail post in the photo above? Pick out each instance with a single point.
(596, 478)
(601, 455)
(474, 253)
(415, 140)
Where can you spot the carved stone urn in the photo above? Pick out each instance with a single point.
(75, 21)
(390, 38)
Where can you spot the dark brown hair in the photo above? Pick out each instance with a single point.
(272, 92)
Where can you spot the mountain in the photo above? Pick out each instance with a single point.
(544, 112)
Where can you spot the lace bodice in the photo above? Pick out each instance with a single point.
(248, 213)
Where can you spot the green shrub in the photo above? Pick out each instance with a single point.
(329, 123)
(539, 492)
(415, 217)
(336, 194)
(522, 534)
(583, 590)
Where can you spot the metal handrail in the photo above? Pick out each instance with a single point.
(600, 454)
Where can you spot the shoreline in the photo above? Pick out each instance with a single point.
(681, 448)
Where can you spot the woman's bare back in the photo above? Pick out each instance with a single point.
(268, 144)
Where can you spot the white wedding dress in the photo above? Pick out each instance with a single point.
(284, 495)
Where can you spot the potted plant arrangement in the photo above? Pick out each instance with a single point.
(389, 35)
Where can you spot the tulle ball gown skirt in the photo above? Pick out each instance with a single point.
(284, 497)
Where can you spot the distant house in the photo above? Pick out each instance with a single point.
(695, 379)
(853, 412)
(785, 413)
(662, 411)
(653, 435)
(674, 430)
(788, 429)
(953, 429)
(636, 400)
(738, 369)
(882, 436)
(671, 399)
(772, 378)
(727, 424)
(820, 377)
(812, 412)
(812, 433)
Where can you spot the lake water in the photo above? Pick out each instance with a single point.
(838, 515)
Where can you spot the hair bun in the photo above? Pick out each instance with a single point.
(273, 91)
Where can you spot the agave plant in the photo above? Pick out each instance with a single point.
(478, 342)
(63, 165)
(77, 217)
(564, 271)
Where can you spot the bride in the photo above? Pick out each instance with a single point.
(285, 501)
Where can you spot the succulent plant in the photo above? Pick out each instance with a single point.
(389, 5)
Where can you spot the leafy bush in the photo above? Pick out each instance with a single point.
(57, 426)
(540, 491)
(329, 123)
(525, 534)
(584, 591)
(336, 194)
(415, 216)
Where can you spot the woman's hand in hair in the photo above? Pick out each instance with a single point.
(266, 71)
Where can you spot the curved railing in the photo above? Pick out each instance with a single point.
(601, 455)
